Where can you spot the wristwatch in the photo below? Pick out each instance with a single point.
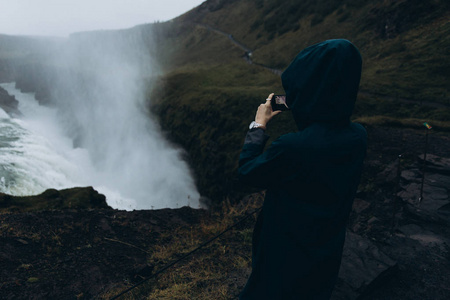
(255, 125)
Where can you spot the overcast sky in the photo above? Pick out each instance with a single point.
(62, 17)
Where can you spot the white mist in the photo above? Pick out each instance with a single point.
(99, 95)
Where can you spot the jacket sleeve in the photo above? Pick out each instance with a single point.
(258, 168)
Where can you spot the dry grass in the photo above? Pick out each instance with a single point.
(439, 126)
(214, 272)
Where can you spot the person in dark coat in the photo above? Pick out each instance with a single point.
(310, 176)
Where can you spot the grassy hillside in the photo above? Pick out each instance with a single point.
(404, 43)
(209, 93)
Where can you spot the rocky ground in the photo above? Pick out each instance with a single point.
(414, 233)
(396, 248)
(79, 253)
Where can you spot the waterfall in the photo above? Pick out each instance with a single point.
(98, 121)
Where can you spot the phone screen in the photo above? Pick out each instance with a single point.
(278, 102)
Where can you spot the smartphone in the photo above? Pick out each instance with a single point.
(278, 102)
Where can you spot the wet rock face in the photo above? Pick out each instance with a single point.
(8, 103)
(38, 79)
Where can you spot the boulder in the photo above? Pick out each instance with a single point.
(436, 188)
(436, 164)
(73, 198)
(424, 236)
(363, 267)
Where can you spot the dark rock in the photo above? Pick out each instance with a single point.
(429, 202)
(143, 271)
(83, 198)
(363, 267)
(73, 198)
(436, 163)
(359, 205)
(389, 174)
(445, 208)
(438, 180)
(423, 236)
(8, 103)
(411, 175)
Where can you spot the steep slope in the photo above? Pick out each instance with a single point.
(209, 92)
(403, 43)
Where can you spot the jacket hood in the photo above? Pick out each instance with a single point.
(322, 82)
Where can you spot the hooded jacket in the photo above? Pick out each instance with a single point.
(310, 177)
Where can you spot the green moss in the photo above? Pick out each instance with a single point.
(33, 279)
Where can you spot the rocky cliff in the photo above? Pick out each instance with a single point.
(8, 103)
